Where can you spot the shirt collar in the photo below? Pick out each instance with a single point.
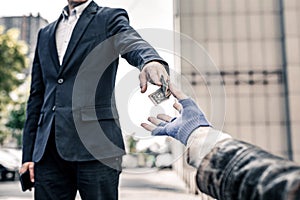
(77, 10)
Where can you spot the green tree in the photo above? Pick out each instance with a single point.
(12, 65)
(16, 121)
(132, 144)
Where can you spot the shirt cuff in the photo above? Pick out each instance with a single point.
(201, 142)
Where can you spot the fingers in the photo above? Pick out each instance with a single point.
(143, 88)
(157, 122)
(154, 121)
(164, 117)
(148, 127)
(143, 82)
(177, 106)
(31, 171)
(23, 169)
(154, 77)
(152, 73)
(160, 120)
(28, 166)
(176, 92)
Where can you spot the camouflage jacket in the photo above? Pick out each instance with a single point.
(237, 170)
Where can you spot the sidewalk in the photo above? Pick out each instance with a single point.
(135, 184)
(143, 184)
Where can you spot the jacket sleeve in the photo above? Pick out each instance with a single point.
(237, 170)
(128, 42)
(34, 105)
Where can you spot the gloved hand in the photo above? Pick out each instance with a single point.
(180, 128)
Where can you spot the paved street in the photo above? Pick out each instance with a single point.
(135, 185)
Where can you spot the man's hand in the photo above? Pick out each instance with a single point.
(152, 72)
(25, 167)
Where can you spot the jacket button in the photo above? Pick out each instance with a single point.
(53, 108)
(60, 81)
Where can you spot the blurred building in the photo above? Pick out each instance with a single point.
(255, 44)
(28, 26)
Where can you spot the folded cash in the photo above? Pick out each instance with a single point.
(161, 94)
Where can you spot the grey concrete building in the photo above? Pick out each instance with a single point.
(255, 44)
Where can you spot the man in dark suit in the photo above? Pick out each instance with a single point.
(60, 163)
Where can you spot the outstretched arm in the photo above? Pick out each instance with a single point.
(136, 50)
(191, 127)
(228, 169)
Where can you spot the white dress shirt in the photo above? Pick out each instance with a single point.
(65, 28)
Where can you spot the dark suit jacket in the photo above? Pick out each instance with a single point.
(52, 85)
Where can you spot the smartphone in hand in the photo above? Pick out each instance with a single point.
(25, 181)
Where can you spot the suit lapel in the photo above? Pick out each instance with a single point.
(78, 31)
(52, 44)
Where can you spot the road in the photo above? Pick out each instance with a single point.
(135, 185)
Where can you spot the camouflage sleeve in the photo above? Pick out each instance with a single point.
(237, 170)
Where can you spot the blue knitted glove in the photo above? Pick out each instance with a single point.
(181, 128)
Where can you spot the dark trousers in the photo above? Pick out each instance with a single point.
(57, 179)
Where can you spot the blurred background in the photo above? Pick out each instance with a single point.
(254, 43)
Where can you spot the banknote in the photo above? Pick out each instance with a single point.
(161, 94)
